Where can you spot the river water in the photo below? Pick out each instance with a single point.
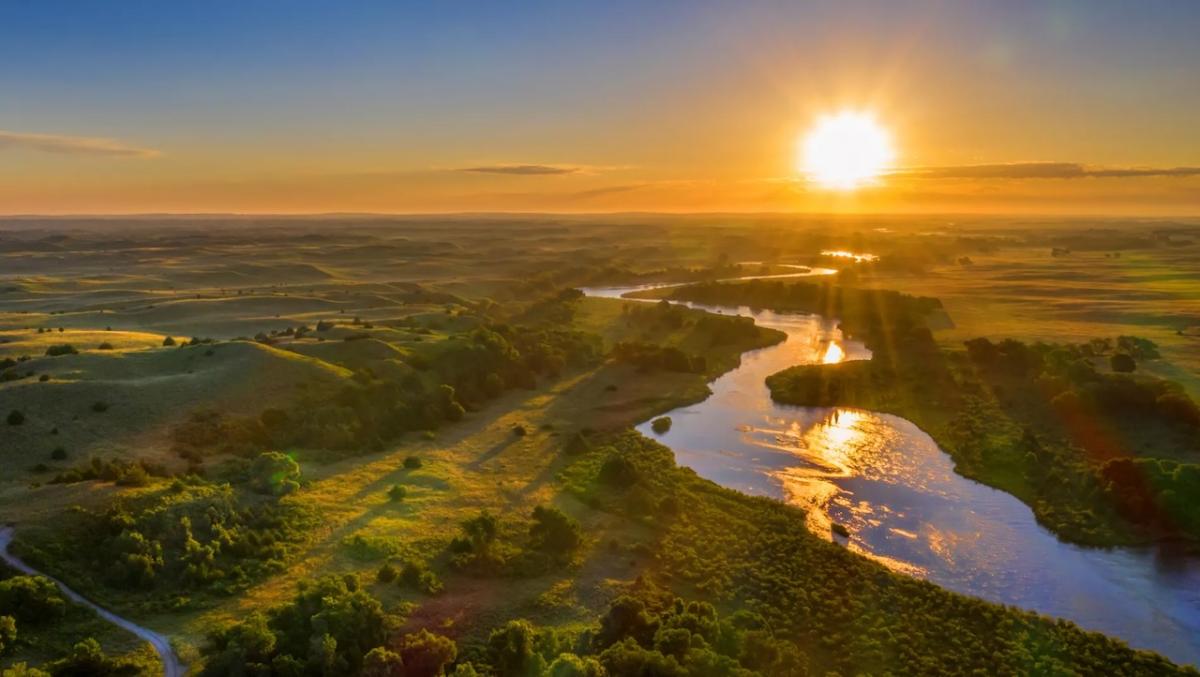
(896, 492)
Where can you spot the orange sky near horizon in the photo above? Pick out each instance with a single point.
(1068, 108)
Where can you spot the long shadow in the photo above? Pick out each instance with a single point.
(488, 455)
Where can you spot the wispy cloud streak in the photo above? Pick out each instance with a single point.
(72, 145)
(523, 170)
(1039, 170)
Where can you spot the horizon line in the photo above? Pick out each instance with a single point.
(525, 213)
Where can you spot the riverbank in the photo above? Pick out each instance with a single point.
(1002, 429)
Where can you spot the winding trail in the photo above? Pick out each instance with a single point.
(172, 667)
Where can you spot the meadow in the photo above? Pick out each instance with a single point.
(457, 477)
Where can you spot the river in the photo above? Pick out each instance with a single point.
(896, 492)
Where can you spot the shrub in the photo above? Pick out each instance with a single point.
(425, 654)
(553, 531)
(478, 539)
(380, 662)
(570, 665)
(412, 463)
(415, 574)
(274, 473)
(169, 341)
(59, 454)
(105, 346)
(31, 599)
(8, 633)
(661, 425)
(386, 573)
(15, 417)
(1122, 363)
(519, 430)
(331, 624)
(61, 349)
(618, 471)
(397, 493)
(512, 652)
(99, 406)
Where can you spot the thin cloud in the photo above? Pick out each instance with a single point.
(1039, 170)
(523, 170)
(72, 145)
(601, 192)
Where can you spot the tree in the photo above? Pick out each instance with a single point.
(168, 341)
(553, 531)
(240, 647)
(15, 417)
(511, 649)
(8, 632)
(570, 665)
(86, 658)
(274, 473)
(1123, 363)
(618, 471)
(630, 658)
(479, 534)
(61, 349)
(426, 654)
(626, 618)
(332, 622)
(23, 670)
(386, 573)
(397, 493)
(380, 662)
(661, 424)
(31, 599)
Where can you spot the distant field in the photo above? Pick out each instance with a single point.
(1026, 293)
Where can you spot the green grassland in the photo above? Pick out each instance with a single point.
(348, 336)
(1023, 292)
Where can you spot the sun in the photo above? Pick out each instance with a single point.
(845, 150)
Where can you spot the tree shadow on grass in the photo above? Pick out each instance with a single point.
(496, 449)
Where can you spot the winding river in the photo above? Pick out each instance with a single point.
(896, 492)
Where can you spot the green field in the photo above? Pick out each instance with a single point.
(418, 374)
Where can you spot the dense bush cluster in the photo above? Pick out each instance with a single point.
(879, 317)
(332, 627)
(486, 548)
(651, 357)
(458, 373)
(665, 317)
(125, 473)
(192, 535)
(61, 349)
(31, 599)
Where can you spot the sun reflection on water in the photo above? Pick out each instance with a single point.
(833, 354)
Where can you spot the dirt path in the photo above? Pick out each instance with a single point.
(172, 667)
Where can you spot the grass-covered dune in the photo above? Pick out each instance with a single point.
(123, 403)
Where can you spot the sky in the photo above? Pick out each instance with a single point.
(1006, 106)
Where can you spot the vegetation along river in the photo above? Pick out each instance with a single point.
(897, 494)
